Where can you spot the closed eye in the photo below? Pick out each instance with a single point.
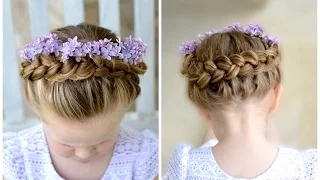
(66, 145)
(103, 142)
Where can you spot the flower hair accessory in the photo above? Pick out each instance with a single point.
(253, 29)
(130, 51)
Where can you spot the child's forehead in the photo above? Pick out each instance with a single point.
(82, 133)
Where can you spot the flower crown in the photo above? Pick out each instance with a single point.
(253, 29)
(130, 51)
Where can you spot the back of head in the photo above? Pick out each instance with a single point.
(80, 87)
(231, 66)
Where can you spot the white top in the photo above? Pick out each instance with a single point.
(199, 163)
(26, 156)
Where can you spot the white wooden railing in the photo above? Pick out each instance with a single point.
(145, 115)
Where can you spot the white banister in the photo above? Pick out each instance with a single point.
(109, 15)
(73, 12)
(144, 29)
(38, 11)
(13, 104)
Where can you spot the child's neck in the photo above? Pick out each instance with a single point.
(243, 149)
(242, 125)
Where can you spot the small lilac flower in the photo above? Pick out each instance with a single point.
(271, 40)
(214, 31)
(115, 49)
(51, 44)
(133, 49)
(86, 48)
(233, 27)
(201, 37)
(95, 48)
(254, 29)
(31, 50)
(72, 48)
(105, 50)
(188, 47)
(26, 53)
(78, 52)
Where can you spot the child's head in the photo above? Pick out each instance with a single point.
(227, 69)
(82, 88)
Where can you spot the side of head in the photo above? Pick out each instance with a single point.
(79, 90)
(230, 68)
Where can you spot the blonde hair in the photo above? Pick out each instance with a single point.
(230, 67)
(79, 90)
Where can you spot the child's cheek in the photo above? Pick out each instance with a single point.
(62, 150)
(105, 147)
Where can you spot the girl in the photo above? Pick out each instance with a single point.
(234, 80)
(80, 80)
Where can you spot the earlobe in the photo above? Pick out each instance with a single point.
(277, 94)
(204, 114)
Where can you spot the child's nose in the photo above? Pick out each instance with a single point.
(84, 153)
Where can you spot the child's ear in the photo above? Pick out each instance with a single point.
(276, 99)
(204, 114)
(36, 111)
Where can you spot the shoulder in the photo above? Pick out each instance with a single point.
(13, 159)
(140, 141)
(178, 162)
(310, 158)
(142, 147)
(147, 163)
(11, 146)
(305, 161)
(12, 156)
(185, 152)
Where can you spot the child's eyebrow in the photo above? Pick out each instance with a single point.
(105, 138)
(81, 145)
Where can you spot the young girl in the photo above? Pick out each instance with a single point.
(80, 80)
(234, 80)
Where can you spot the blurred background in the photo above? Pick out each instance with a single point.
(26, 19)
(293, 22)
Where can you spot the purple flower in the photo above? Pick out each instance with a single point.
(271, 40)
(72, 48)
(188, 47)
(254, 29)
(26, 53)
(201, 37)
(214, 31)
(95, 48)
(233, 27)
(31, 50)
(51, 44)
(115, 51)
(105, 48)
(86, 48)
(132, 50)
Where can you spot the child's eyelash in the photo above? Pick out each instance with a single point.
(103, 142)
(66, 145)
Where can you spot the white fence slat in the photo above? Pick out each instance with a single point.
(144, 29)
(13, 104)
(109, 15)
(38, 11)
(73, 12)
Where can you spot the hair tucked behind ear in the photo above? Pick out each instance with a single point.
(78, 90)
(231, 66)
